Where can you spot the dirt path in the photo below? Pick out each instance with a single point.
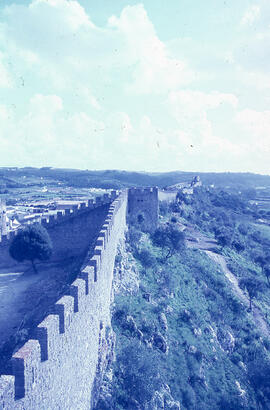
(24, 300)
(256, 312)
(13, 284)
(197, 240)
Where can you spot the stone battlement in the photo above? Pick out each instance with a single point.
(62, 216)
(143, 191)
(56, 368)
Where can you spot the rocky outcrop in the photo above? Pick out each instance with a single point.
(159, 342)
(226, 340)
(126, 276)
(163, 321)
(163, 400)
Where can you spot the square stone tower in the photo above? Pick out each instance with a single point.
(142, 209)
(3, 218)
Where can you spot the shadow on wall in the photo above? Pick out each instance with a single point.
(71, 231)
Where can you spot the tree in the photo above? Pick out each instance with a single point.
(169, 238)
(224, 237)
(31, 243)
(253, 286)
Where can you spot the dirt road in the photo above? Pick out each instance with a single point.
(197, 240)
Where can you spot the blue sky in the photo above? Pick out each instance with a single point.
(155, 86)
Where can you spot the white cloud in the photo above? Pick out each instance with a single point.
(252, 50)
(251, 15)
(155, 70)
(196, 101)
(258, 80)
(47, 135)
(113, 97)
(190, 109)
(5, 77)
(75, 51)
(257, 126)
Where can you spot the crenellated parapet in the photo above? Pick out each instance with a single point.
(143, 191)
(50, 221)
(56, 367)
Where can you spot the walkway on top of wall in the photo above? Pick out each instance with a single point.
(24, 300)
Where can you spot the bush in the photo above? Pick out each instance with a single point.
(238, 245)
(224, 237)
(146, 258)
(188, 397)
(259, 375)
(140, 376)
(133, 237)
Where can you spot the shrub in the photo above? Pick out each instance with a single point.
(146, 258)
(188, 397)
(259, 375)
(133, 237)
(139, 372)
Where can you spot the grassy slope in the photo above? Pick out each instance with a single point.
(206, 376)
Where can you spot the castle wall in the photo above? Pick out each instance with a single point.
(57, 369)
(3, 218)
(71, 231)
(143, 202)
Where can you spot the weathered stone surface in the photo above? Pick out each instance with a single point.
(192, 349)
(130, 324)
(147, 297)
(163, 400)
(160, 343)
(185, 315)
(226, 340)
(163, 321)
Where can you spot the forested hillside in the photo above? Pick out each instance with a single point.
(120, 179)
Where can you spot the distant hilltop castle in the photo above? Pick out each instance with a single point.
(186, 187)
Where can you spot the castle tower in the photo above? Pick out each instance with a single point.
(142, 209)
(3, 218)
